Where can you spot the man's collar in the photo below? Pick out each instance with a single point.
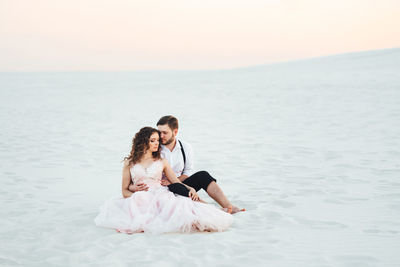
(177, 146)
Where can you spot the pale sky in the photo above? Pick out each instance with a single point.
(113, 35)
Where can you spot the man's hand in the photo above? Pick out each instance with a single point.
(138, 187)
(165, 182)
(193, 195)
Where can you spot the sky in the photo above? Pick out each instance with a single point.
(130, 35)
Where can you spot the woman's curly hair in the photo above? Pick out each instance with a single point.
(140, 144)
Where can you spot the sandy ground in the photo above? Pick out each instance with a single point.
(310, 148)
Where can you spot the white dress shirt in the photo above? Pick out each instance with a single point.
(175, 158)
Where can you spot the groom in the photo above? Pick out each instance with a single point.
(180, 157)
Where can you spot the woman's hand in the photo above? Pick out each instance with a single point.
(193, 194)
(138, 187)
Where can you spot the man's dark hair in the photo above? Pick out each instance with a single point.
(170, 120)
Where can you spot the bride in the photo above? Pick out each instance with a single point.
(154, 208)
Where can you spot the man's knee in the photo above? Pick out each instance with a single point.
(210, 186)
(203, 174)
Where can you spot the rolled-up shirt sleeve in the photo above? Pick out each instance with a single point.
(189, 169)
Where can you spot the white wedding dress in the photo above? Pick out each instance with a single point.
(158, 210)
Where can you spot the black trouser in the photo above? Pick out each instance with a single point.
(199, 180)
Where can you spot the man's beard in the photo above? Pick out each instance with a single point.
(172, 139)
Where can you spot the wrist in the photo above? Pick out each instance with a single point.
(132, 188)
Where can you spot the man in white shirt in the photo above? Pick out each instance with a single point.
(180, 156)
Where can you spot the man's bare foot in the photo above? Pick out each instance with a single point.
(228, 209)
(236, 210)
(232, 209)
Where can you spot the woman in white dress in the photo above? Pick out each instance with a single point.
(154, 208)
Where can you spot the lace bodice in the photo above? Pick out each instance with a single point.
(152, 173)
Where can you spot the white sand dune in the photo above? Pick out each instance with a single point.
(310, 148)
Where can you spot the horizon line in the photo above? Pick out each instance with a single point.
(210, 70)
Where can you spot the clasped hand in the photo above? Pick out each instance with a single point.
(193, 194)
(138, 187)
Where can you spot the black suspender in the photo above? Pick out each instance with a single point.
(183, 154)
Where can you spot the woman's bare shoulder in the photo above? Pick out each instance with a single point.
(127, 164)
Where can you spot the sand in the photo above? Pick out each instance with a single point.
(310, 148)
